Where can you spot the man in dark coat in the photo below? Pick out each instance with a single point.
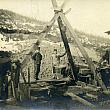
(5, 66)
(37, 57)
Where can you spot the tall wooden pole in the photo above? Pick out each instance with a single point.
(67, 48)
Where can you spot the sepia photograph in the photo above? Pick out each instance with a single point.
(54, 54)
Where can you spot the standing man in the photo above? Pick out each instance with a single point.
(5, 67)
(56, 63)
(37, 57)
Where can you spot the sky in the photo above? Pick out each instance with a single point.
(91, 16)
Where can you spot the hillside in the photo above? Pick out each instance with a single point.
(20, 43)
(12, 20)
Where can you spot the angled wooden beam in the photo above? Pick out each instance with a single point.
(67, 48)
(80, 99)
(45, 31)
(50, 24)
(67, 11)
(54, 3)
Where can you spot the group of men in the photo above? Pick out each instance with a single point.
(37, 57)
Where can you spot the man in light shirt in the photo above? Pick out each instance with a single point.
(56, 64)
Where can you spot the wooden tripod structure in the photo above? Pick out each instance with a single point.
(62, 20)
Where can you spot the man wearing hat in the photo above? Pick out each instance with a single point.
(56, 62)
(37, 57)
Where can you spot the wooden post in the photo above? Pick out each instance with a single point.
(29, 76)
(13, 89)
(67, 48)
(109, 57)
(22, 74)
(13, 86)
(6, 86)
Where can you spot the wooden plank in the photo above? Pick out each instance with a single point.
(92, 96)
(81, 100)
(53, 80)
(50, 80)
(39, 89)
